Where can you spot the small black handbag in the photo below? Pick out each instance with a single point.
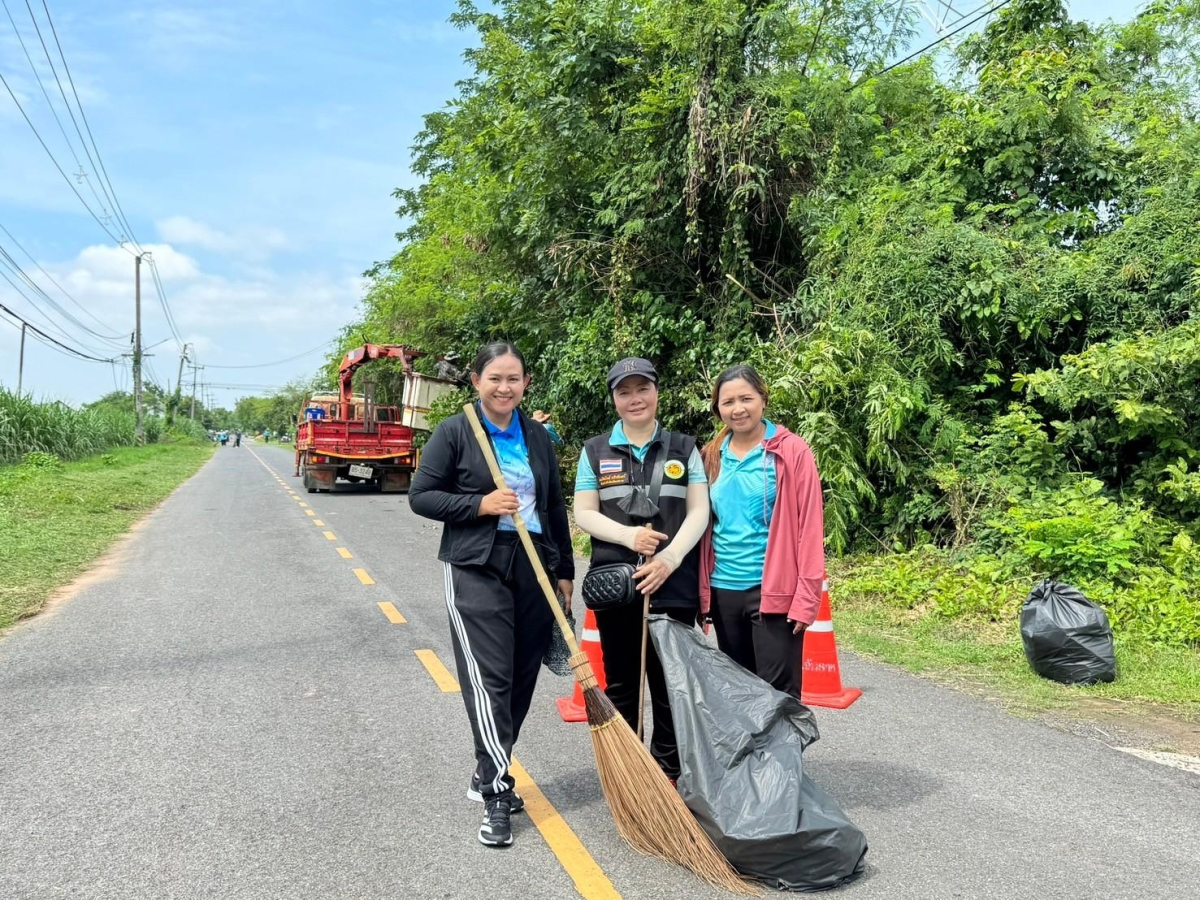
(610, 585)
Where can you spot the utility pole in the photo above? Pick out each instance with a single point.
(21, 363)
(178, 383)
(139, 432)
(195, 370)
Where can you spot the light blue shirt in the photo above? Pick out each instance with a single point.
(513, 455)
(743, 500)
(586, 480)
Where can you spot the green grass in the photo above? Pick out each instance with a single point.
(986, 658)
(55, 520)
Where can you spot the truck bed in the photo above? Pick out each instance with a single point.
(351, 440)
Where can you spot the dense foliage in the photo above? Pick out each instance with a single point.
(969, 280)
(54, 431)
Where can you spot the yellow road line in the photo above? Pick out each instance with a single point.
(590, 880)
(441, 676)
(318, 523)
(303, 505)
(330, 536)
(393, 614)
(309, 512)
(362, 575)
(344, 553)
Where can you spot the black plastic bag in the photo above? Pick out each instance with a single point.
(742, 775)
(1067, 637)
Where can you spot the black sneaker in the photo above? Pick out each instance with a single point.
(496, 829)
(473, 793)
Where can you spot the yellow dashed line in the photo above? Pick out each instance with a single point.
(441, 676)
(303, 504)
(309, 512)
(330, 536)
(318, 523)
(590, 880)
(344, 553)
(361, 573)
(393, 614)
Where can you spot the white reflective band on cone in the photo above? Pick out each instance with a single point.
(825, 586)
(821, 626)
(591, 634)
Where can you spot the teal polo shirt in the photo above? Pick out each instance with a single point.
(513, 455)
(743, 500)
(585, 478)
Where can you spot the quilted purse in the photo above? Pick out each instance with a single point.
(609, 586)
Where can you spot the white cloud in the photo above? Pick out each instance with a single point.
(255, 242)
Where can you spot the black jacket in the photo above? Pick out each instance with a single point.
(453, 478)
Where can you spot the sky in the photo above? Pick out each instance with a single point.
(253, 147)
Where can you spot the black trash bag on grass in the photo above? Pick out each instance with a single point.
(742, 774)
(1067, 637)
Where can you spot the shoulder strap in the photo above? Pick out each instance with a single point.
(656, 472)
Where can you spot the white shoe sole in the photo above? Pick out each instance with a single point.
(487, 842)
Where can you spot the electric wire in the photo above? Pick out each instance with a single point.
(54, 112)
(50, 322)
(987, 12)
(99, 162)
(278, 361)
(64, 291)
(49, 340)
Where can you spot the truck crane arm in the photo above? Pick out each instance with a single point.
(360, 356)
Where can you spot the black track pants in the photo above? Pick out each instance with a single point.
(500, 623)
(760, 642)
(621, 642)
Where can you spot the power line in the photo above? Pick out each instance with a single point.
(65, 293)
(987, 12)
(66, 178)
(45, 337)
(83, 115)
(278, 361)
(37, 76)
(5, 264)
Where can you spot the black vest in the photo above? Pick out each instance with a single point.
(618, 471)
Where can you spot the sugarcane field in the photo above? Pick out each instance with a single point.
(646, 449)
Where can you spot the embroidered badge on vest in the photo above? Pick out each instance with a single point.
(610, 467)
(673, 468)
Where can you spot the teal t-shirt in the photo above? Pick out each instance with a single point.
(743, 500)
(586, 480)
(513, 456)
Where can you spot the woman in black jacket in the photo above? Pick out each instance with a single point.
(499, 619)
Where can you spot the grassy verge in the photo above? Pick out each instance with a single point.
(55, 520)
(987, 658)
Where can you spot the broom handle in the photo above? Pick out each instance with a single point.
(642, 676)
(526, 541)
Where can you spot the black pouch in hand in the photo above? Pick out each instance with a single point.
(608, 586)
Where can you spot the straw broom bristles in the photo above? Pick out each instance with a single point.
(647, 810)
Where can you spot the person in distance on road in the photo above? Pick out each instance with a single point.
(499, 619)
(763, 559)
(640, 492)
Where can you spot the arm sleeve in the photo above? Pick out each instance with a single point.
(585, 478)
(696, 473)
(810, 546)
(695, 523)
(432, 493)
(590, 519)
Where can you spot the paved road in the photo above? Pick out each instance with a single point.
(229, 714)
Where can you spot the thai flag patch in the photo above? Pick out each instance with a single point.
(610, 467)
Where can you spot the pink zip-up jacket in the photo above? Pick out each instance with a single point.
(795, 563)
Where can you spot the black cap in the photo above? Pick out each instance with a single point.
(632, 365)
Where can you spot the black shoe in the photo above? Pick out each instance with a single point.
(496, 829)
(473, 793)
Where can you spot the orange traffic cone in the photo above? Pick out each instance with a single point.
(821, 679)
(571, 708)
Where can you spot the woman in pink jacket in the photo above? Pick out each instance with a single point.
(763, 559)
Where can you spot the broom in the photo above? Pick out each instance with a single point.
(647, 810)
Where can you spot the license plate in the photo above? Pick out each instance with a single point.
(362, 471)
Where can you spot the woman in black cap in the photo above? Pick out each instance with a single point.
(642, 494)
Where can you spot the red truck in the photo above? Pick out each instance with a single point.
(348, 436)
